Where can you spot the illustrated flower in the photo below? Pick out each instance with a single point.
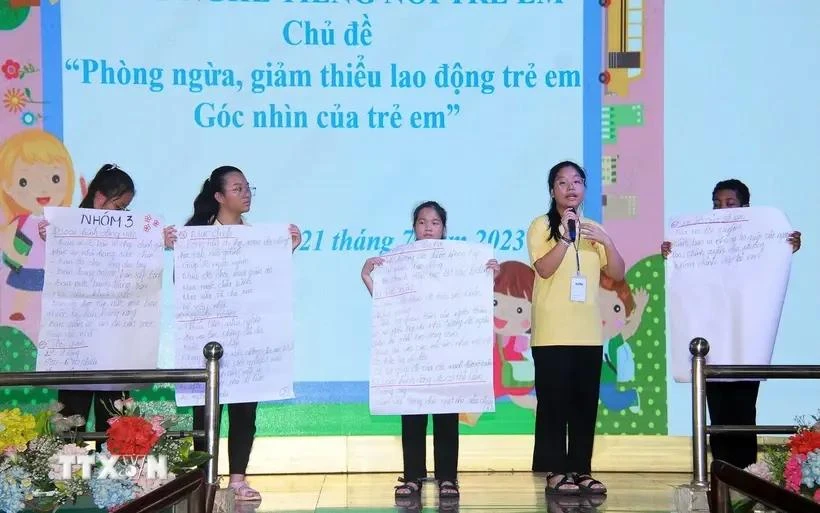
(761, 470)
(14, 100)
(11, 69)
(794, 472)
(131, 436)
(16, 430)
(804, 441)
(28, 118)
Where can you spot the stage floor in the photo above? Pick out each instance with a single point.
(480, 492)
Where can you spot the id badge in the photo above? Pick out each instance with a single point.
(578, 289)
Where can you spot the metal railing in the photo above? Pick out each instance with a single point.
(701, 372)
(727, 478)
(186, 494)
(209, 375)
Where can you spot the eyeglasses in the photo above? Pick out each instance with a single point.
(239, 191)
(115, 206)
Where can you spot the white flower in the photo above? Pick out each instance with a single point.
(124, 405)
(761, 470)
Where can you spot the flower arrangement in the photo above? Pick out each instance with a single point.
(39, 468)
(795, 465)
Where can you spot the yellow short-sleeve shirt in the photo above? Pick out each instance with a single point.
(557, 321)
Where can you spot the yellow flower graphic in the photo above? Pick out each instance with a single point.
(14, 100)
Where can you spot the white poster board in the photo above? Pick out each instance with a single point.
(726, 281)
(432, 330)
(102, 291)
(234, 285)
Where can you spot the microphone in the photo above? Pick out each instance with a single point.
(571, 226)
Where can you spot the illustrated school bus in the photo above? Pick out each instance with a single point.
(624, 44)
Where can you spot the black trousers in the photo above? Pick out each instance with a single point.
(79, 402)
(241, 431)
(733, 402)
(567, 384)
(445, 446)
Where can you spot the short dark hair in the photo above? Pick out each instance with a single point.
(738, 187)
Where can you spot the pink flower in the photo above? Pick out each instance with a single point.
(793, 472)
(817, 495)
(149, 485)
(11, 69)
(156, 422)
(124, 405)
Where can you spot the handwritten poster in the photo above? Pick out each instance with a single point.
(726, 278)
(102, 290)
(234, 285)
(432, 330)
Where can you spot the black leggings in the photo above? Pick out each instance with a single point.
(567, 385)
(241, 430)
(79, 402)
(445, 446)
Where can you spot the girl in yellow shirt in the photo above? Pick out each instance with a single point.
(568, 253)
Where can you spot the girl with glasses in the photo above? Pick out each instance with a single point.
(224, 198)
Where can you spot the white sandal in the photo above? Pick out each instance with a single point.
(244, 492)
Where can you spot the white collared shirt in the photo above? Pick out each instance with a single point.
(241, 218)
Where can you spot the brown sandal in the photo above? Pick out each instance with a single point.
(589, 485)
(564, 486)
(409, 488)
(448, 489)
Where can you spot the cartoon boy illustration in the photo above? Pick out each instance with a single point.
(35, 172)
(621, 312)
(513, 371)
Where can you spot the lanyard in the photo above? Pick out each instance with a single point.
(577, 256)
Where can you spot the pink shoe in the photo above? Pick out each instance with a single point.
(244, 492)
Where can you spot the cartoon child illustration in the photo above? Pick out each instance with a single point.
(621, 312)
(513, 372)
(35, 172)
